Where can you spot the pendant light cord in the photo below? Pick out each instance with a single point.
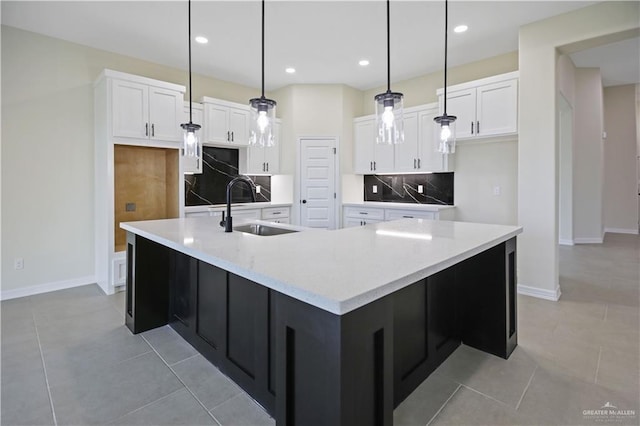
(388, 49)
(190, 105)
(446, 33)
(263, 48)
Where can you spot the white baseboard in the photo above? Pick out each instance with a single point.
(540, 293)
(45, 288)
(595, 240)
(621, 231)
(563, 242)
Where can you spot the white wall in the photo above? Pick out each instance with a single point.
(479, 169)
(318, 110)
(620, 160)
(47, 153)
(588, 159)
(538, 150)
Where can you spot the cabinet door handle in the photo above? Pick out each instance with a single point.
(370, 165)
(374, 165)
(408, 217)
(364, 213)
(472, 127)
(418, 163)
(274, 213)
(232, 137)
(267, 166)
(146, 129)
(414, 163)
(228, 136)
(153, 130)
(477, 127)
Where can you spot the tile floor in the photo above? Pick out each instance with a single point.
(67, 359)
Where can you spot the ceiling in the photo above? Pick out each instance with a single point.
(619, 62)
(322, 40)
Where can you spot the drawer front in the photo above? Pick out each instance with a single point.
(245, 214)
(271, 213)
(403, 214)
(364, 213)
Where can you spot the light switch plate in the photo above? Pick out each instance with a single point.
(375, 189)
(420, 189)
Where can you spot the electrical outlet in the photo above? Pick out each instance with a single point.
(258, 189)
(497, 190)
(130, 207)
(420, 189)
(18, 263)
(375, 189)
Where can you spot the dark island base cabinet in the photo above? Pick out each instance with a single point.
(307, 366)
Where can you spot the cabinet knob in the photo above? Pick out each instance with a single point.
(304, 201)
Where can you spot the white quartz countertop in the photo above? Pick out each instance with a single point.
(237, 206)
(401, 206)
(339, 270)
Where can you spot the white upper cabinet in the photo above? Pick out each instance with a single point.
(429, 159)
(418, 152)
(484, 108)
(407, 153)
(193, 165)
(227, 123)
(145, 109)
(370, 157)
(262, 160)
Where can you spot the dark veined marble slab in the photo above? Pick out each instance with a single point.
(219, 166)
(437, 188)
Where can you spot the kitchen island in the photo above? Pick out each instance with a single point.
(326, 327)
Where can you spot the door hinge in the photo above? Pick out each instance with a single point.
(334, 151)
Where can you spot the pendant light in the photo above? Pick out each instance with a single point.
(446, 123)
(389, 119)
(191, 147)
(263, 111)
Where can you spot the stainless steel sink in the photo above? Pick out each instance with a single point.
(264, 230)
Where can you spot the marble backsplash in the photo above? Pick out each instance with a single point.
(219, 166)
(437, 188)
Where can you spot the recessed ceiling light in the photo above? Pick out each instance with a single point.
(363, 63)
(290, 70)
(460, 28)
(201, 40)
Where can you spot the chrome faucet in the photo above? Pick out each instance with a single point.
(228, 222)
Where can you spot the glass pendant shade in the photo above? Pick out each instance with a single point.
(446, 133)
(263, 116)
(389, 117)
(191, 145)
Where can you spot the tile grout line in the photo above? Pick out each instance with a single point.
(147, 404)
(526, 388)
(485, 395)
(183, 360)
(595, 379)
(44, 368)
(443, 405)
(179, 379)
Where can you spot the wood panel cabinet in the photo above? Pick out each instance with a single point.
(137, 145)
(484, 108)
(226, 123)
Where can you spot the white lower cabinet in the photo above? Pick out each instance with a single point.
(276, 214)
(360, 216)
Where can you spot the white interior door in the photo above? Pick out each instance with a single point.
(317, 183)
